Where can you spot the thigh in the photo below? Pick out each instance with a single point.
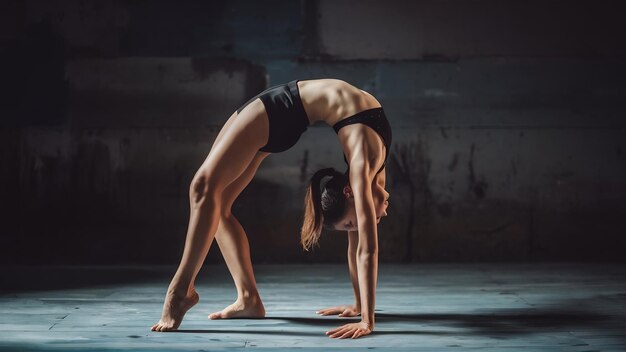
(230, 122)
(236, 146)
(234, 189)
(224, 128)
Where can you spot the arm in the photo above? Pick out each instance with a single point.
(353, 240)
(367, 249)
(366, 255)
(364, 162)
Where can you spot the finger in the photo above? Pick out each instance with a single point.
(350, 332)
(335, 333)
(357, 334)
(330, 332)
(341, 332)
(331, 311)
(338, 331)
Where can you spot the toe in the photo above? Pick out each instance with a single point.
(216, 315)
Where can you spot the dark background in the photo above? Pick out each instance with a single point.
(508, 121)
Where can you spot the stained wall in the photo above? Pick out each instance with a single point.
(508, 121)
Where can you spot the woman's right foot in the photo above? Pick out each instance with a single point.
(242, 308)
(174, 309)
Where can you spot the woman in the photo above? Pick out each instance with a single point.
(272, 122)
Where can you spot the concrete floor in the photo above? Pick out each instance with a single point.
(422, 307)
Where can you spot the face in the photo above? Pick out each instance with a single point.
(349, 221)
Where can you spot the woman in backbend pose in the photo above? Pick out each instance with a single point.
(272, 122)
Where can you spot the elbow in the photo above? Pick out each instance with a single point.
(367, 252)
(351, 253)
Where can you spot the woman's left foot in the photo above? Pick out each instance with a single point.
(242, 308)
(175, 306)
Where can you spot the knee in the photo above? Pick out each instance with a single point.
(226, 216)
(204, 189)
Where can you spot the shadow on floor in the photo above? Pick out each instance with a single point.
(508, 321)
(499, 321)
(244, 330)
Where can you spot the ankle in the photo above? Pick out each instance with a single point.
(179, 291)
(249, 296)
(191, 291)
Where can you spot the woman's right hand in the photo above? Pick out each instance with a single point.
(343, 311)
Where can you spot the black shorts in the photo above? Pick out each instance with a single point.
(287, 118)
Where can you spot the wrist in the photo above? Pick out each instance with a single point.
(367, 318)
(370, 324)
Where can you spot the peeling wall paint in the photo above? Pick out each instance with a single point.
(504, 149)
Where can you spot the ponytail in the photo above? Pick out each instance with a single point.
(322, 208)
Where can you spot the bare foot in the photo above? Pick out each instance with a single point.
(174, 310)
(242, 308)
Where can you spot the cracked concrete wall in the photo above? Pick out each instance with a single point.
(508, 122)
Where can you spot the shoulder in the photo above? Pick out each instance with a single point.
(363, 163)
(362, 146)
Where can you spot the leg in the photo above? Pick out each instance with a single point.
(234, 246)
(228, 159)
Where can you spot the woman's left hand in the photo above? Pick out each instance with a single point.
(353, 330)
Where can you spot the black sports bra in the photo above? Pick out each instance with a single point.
(374, 118)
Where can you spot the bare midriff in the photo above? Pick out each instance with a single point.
(331, 100)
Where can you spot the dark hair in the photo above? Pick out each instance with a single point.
(322, 207)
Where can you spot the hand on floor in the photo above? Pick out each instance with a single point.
(343, 311)
(353, 330)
